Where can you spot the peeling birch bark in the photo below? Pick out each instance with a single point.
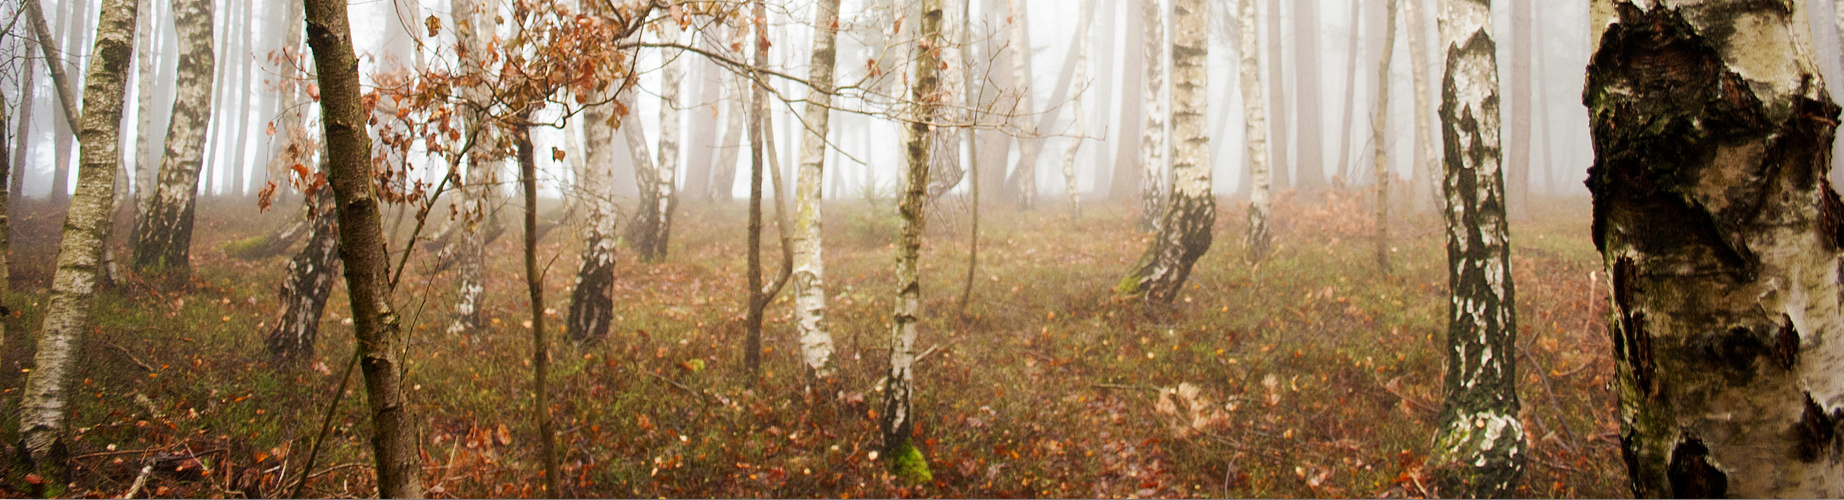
(44, 404)
(1153, 147)
(1716, 219)
(1480, 446)
(1190, 211)
(898, 416)
(163, 242)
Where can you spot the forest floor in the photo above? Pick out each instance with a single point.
(1311, 375)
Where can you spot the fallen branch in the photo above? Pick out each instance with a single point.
(140, 481)
(137, 361)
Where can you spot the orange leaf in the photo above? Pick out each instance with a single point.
(556, 154)
(504, 435)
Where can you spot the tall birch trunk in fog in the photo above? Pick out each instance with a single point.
(1421, 185)
(1518, 131)
(147, 32)
(1479, 447)
(376, 330)
(1029, 143)
(22, 148)
(1277, 92)
(304, 291)
(651, 230)
(478, 217)
(1714, 215)
(723, 175)
(591, 308)
(758, 111)
(1190, 211)
(809, 259)
(1310, 152)
(1380, 134)
(1152, 141)
(1079, 134)
(6, 221)
(1345, 132)
(44, 406)
(898, 416)
(163, 236)
(75, 17)
(1261, 198)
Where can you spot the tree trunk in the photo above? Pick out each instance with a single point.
(1518, 131)
(1311, 152)
(45, 403)
(1421, 191)
(1185, 229)
(898, 424)
(310, 278)
(163, 240)
(245, 60)
(758, 97)
(809, 260)
(1716, 220)
(1277, 88)
(701, 151)
(1380, 138)
(147, 34)
(60, 66)
(1153, 146)
(591, 308)
(378, 335)
(22, 143)
(1078, 134)
(219, 133)
(6, 221)
(1106, 71)
(478, 215)
(1479, 448)
(651, 230)
(1126, 182)
(534, 285)
(723, 175)
(1029, 144)
(1345, 168)
(1261, 200)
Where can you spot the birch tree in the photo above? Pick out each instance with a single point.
(591, 308)
(22, 148)
(1152, 140)
(1715, 218)
(1421, 190)
(303, 294)
(1080, 132)
(1029, 143)
(45, 403)
(376, 330)
(1261, 198)
(651, 229)
(1190, 211)
(478, 216)
(163, 238)
(898, 420)
(1479, 447)
(1310, 151)
(809, 252)
(1277, 92)
(1380, 138)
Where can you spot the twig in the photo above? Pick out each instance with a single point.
(137, 361)
(121, 452)
(931, 350)
(1551, 391)
(326, 425)
(683, 387)
(1417, 403)
(329, 470)
(139, 481)
(1120, 386)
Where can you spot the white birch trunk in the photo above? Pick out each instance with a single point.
(651, 230)
(1427, 159)
(1480, 447)
(1190, 210)
(1029, 143)
(44, 404)
(1080, 132)
(1261, 198)
(1717, 222)
(477, 191)
(809, 259)
(164, 239)
(1380, 137)
(1152, 141)
(898, 415)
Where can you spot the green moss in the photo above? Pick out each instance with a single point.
(246, 248)
(1129, 286)
(908, 464)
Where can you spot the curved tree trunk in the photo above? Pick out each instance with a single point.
(1261, 199)
(1152, 141)
(304, 292)
(651, 230)
(44, 406)
(378, 335)
(1715, 218)
(898, 422)
(163, 240)
(809, 258)
(1380, 138)
(1190, 212)
(1480, 448)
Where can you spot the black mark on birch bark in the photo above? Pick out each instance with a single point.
(1816, 433)
(1691, 473)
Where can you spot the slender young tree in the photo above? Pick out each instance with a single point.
(651, 229)
(898, 420)
(376, 329)
(146, 59)
(163, 238)
(1261, 199)
(1479, 448)
(22, 148)
(1190, 211)
(1153, 146)
(1715, 217)
(723, 174)
(758, 110)
(809, 253)
(1379, 127)
(1421, 190)
(6, 221)
(45, 404)
(76, 18)
(1310, 118)
(1345, 131)
(1277, 93)
(1029, 144)
(1078, 134)
(1518, 129)
(534, 286)
(478, 215)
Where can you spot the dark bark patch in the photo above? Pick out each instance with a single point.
(1816, 433)
(1830, 214)
(1629, 452)
(1632, 342)
(1786, 343)
(1691, 473)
